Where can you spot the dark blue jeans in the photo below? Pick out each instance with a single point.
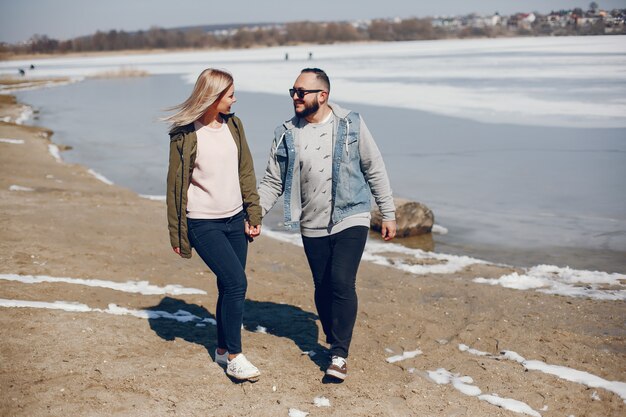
(334, 262)
(223, 246)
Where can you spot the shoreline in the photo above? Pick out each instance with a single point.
(86, 362)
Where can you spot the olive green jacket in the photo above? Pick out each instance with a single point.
(183, 147)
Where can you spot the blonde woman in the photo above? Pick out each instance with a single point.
(213, 204)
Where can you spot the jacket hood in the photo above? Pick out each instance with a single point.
(337, 110)
(181, 129)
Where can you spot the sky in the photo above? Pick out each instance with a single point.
(65, 19)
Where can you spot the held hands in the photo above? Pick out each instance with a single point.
(388, 230)
(252, 231)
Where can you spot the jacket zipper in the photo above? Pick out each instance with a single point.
(182, 182)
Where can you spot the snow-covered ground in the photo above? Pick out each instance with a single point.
(560, 81)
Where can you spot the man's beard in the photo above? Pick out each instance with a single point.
(309, 109)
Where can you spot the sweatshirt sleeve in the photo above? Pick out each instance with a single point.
(271, 187)
(373, 168)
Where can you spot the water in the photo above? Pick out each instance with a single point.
(516, 194)
(518, 145)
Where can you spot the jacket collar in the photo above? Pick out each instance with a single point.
(338, 112)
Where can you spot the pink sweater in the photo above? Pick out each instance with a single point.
(214, 192)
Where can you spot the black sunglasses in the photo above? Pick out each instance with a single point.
(302, 93)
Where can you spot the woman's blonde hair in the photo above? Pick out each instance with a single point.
(210, 86)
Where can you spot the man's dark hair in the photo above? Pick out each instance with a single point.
(321, 76)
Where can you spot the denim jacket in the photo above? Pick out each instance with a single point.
(358, 171)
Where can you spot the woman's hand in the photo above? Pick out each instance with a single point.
(177, 250)
(252, 231)
(255, 230)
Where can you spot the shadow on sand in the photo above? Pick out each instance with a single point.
(290, 322)
(281, 320)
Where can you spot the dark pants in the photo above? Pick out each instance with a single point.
(222, 245)
(334, 262)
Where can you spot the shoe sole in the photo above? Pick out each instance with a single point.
(248, 378)
(336, 374)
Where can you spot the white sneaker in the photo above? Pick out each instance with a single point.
(222, 359)
(241, 368)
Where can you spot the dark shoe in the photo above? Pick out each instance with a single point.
(338, 368)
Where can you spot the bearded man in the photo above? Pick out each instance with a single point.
(327, 166)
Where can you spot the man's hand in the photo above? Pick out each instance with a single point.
(388, 230)
(177, 250)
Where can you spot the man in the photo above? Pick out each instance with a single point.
(325, 164)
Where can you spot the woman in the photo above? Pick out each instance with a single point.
(212, 203)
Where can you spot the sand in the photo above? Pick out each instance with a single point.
(60, 363)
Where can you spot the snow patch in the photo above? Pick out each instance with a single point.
(294, 412)
(113, 309)
(153, 197)
(510, 404)
(569, 374)
(414, 261)
(405, 355)
(321, 402)
(20, 188)
(12, 141)
(550, 279)
(140, 287)
(55, 152)
(465, 348)
(440, 230)
(25, 115)
(463, 384)
(100, 177)
(562, 372)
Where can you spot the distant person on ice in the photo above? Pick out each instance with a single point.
(324, 163)
(213, 204)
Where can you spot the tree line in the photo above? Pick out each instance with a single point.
(243, 37)
(268, 35)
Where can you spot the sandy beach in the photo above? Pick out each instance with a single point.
(123, 353)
